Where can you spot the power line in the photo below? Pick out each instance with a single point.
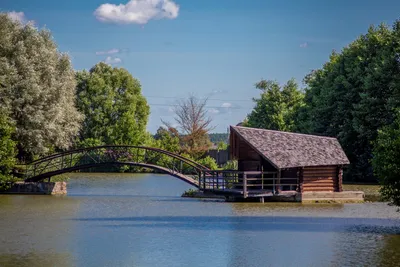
(171, 105)
(216, 99)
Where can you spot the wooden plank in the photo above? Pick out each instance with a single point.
(319, 175)
(318, 190)
(307, 181)
(320, 167)
(320, 186)
(320, 182)
(319, 179)
(321, 171)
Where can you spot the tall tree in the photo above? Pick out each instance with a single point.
(7, 148)
(386, 161)
(37, 89)
(277, 107)
(194, 125)
(355, 94)
(115, 110)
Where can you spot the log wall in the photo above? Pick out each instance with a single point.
(320, 178)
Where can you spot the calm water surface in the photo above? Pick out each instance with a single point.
(141, 220)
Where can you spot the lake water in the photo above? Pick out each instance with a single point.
(141, 220)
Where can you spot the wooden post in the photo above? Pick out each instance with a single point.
(244, 185)
(204, 180)
(300, 180)
(278, 184)
(262, 177)
(340, 178)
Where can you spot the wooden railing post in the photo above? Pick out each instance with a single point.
(245, 185)
(204, 180)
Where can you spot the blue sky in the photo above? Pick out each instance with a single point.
(209, 48)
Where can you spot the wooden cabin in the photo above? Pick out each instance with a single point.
(314, 162)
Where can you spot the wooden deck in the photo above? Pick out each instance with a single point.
(247, 184)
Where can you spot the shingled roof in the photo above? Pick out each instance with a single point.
(289, 150)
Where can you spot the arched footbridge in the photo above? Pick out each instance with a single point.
(173, 164)
(228, 183)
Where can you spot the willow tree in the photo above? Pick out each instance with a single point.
(7, 148)
(37, 89)
(115, 110)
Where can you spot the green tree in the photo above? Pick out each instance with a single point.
(222, 146)
(7, 149)
(355, 94)
(277, 107)
(37, 89)
(169, 139)
(386, 161)
(115, 110)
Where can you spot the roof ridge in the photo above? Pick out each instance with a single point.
(276, 131)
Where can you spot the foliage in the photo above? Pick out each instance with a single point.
(194, 125)
(37, 89)
(60, 178)
(7, 150)
(386, 161)
(190, 193)
(222, 146)
(115, 110)
(354, 95)
(89, 142)
(208, 162)
(169, 139)
(277, 107)
(231, 165)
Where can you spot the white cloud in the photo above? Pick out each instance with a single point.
(304, 45)
(109, 52)
(111, 60)
(226, 105)
(17, 16)
(213, 110)
(137, 11)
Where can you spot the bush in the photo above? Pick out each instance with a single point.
(386, 161)
(230, 165)
(208, 162)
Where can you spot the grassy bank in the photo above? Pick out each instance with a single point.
(371, 191)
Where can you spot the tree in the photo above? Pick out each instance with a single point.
(37, 89)
(354, 94)
(169, 139)
(194, 125)
(386, 161)
(7, 149)
(277, 107)
(222, 146)
(115, 110)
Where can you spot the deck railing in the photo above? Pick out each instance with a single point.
(246, 182)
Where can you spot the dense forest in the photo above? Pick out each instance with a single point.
(216, 138)
(355, 97)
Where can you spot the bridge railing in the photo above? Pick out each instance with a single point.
(117, 155)
(245, 182)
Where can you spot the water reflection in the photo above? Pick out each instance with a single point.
(141, 220)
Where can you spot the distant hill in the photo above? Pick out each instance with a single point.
(219, 137)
